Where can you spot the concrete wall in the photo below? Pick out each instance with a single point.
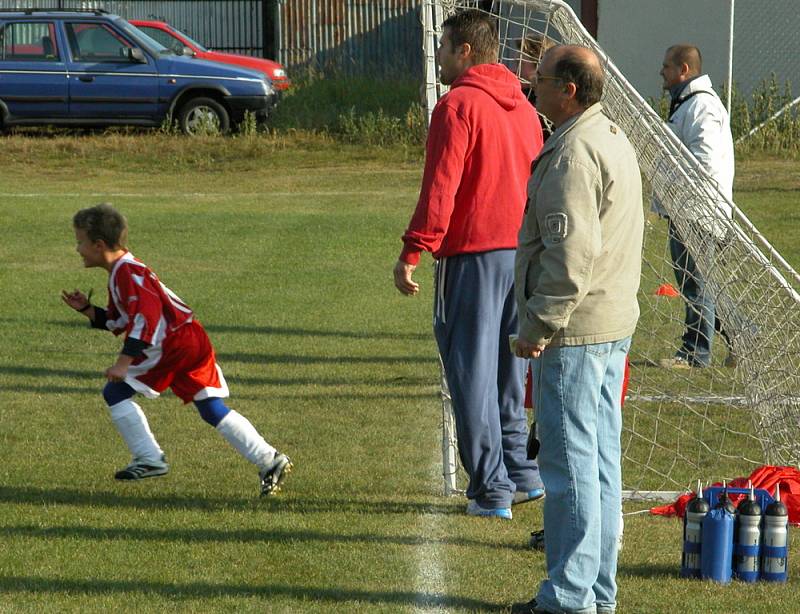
(636, 33)
(575, 5)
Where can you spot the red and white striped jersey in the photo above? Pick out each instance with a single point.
(140, 305)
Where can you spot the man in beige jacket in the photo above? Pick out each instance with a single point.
(577, 274)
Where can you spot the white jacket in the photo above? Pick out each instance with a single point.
(702, 124)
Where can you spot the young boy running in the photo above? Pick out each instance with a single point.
(165, 347)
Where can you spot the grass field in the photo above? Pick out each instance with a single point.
(284, 248)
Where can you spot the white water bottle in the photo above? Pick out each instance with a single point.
(775, 551)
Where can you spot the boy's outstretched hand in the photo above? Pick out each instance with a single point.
(75, 299)
(80, 302)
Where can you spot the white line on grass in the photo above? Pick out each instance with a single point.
(429, 585)
(195, 194)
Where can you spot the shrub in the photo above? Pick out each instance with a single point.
(354, 109)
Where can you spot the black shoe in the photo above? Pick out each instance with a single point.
(527, 608)
(536, 541)
(138, 470)
(272, 476)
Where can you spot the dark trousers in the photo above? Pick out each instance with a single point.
(474, 313)
(701, 321)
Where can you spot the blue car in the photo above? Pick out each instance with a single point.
(92, 68)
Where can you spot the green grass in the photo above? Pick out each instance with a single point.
(284, 247)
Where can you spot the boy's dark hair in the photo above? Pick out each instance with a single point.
(477, 28)
(103, 222)
(587, 76)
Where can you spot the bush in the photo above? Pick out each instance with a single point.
(777, 135)
(354, 109)
(382, 129)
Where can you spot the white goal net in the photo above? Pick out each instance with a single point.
(679, 425)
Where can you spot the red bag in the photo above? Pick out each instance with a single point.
(766, 477)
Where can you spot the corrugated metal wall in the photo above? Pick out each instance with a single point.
(382, 36)
(223, 25)
(346, 36)
(235, 26)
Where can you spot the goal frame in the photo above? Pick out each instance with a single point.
(674, 156)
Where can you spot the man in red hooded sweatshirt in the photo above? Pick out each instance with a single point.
(483, 136)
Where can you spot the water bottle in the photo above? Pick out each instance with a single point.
(775, 550)
(725, 501)
(696, 510)
(716, 552)
(747, 550)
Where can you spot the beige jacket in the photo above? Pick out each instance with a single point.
(580, 246)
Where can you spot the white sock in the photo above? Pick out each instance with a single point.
(243, 436)
(132, 424)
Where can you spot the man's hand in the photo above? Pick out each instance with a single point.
(119, 370)
(402, 278)
(528, 350)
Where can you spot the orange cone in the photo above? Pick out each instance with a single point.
(667, 290)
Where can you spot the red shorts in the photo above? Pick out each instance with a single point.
(185, 362)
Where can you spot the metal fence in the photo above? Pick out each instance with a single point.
(765, 41)
(340, 36)
(234, 26)
(374, 36)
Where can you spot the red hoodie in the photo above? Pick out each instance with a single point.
(483, 136)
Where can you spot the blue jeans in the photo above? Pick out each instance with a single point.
(700, 317)
(578, 393)
(474, 312)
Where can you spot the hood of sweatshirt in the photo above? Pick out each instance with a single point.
(497, 81)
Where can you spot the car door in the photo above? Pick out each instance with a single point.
(33, 73)
(105, 81)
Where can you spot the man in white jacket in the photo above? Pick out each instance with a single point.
(699, 119)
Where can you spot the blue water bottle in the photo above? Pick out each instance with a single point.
(716, 554)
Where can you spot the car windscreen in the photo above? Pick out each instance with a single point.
(191, 40)
(150, 44)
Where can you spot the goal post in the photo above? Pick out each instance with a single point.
(678, 425)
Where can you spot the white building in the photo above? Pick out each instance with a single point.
(635, 33)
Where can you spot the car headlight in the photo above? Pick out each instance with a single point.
(279, 73)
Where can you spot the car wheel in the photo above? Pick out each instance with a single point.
(203, 116)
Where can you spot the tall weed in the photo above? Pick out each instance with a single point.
(354, 109)
(769, 134)
(381, 129)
